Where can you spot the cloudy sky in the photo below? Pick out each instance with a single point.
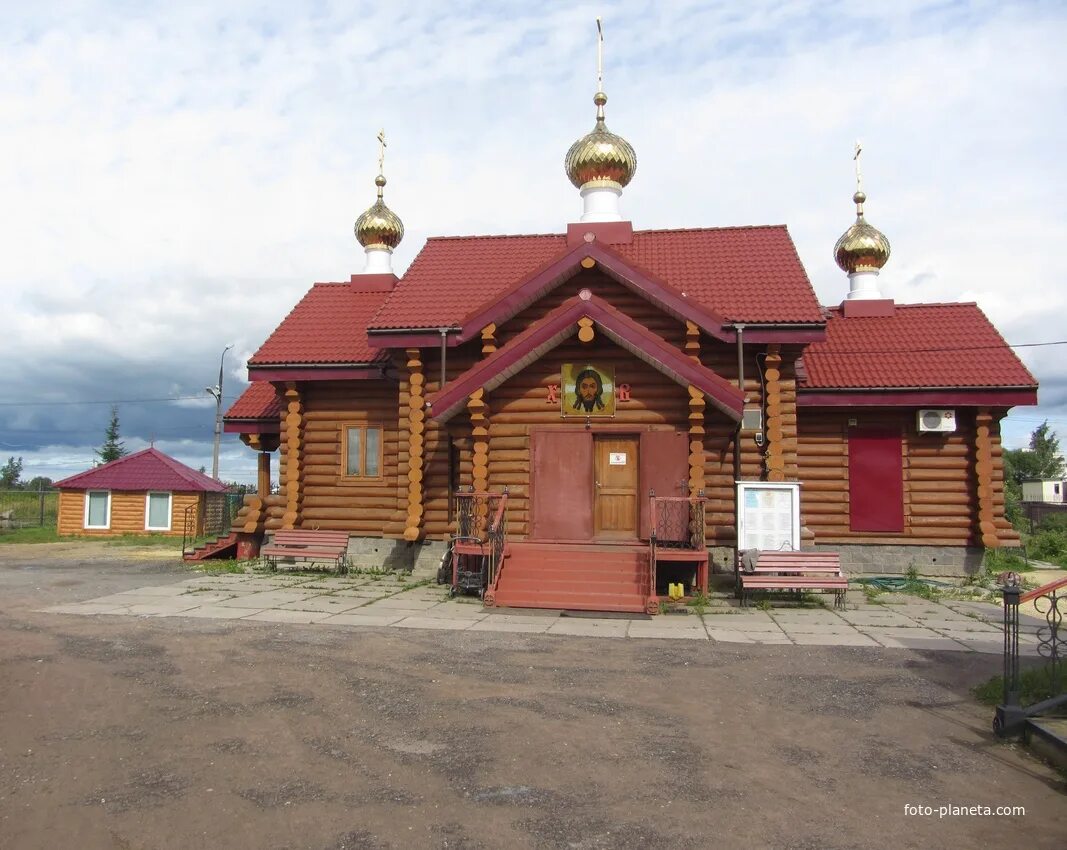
(173, 177)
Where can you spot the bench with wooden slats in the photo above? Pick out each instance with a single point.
(307, 545)
(794, 571)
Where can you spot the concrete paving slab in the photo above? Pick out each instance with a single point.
(361, 594)
(163, 609)
(910, 632)
(351, 619)
(456, 611)
(729, 636)
(921, 643)
(851, 639)
(548, 618)
(875, 618)
(442, 623)
(769, 638)
(275, 615)
(589, 627)
(329, 604)
(969, 635)
(818, 629)
(821, 616)
(494, 624)
(156, 590)
(85, 608)
(402, 601)
(126, 599)
(207, 597)
(265, 600)
(217, 612)
(640, 629)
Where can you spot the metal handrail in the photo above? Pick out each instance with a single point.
(1011, 715)
(185, 528)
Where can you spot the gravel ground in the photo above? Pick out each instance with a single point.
(146, 732)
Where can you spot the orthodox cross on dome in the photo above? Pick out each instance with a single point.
(859, 197)
(381, 159)
(599, 67)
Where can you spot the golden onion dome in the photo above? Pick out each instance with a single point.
(601, 158)
(861, 248)
(379, 226)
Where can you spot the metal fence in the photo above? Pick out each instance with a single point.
(1037, 512)
(28, 508)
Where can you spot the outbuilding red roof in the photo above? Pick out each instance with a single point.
(259, 401)
(920, 346)
(743, 274)
(148, 469)
(327, 326)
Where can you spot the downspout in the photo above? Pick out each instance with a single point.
(451, 454)
(741, 386)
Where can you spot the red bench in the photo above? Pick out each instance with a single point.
(795, 571)
(306, 545)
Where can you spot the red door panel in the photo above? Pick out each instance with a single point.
(561, 485)
(875, 481)
(664, 459)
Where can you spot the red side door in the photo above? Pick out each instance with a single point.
(561, 485)
(664, 468)
(875, 481)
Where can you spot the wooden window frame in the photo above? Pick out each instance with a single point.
(363, 427)
(107, 519)
(148, 510)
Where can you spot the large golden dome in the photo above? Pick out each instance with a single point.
(601, 158)
(861, 248)
(379, 226)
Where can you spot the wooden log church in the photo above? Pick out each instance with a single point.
(558, 406)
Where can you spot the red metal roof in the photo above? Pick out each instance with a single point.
(328, 326)
(749, 274)
(259, 401)
(920, 346)
(148, 469)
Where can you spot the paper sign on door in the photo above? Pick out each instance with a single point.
(617, 458)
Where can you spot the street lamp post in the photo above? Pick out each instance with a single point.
(216, 391)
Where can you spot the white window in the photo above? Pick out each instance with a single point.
(98, 509)
(157, 512)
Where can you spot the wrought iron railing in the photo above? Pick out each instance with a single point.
(483, 518)
(676, 524)
(1011, 715)
(188, 534)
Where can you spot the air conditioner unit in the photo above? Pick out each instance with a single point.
(937, 421)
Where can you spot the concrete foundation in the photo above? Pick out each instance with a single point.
(954, 561)
(378, 553)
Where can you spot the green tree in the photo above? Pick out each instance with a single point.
(113, 447)
(39, 482)
(1041, 460)
(10, 473)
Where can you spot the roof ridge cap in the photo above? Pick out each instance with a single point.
(457, 238)
(712, 229)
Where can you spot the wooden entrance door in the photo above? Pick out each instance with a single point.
(615, 487)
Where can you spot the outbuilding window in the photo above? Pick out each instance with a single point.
(157, 512)
(362, 451)
(97, 509)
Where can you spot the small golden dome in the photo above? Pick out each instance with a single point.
(861, 248)
(379, 226)
(601, 158)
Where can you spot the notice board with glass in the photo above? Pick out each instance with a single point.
(768, 515)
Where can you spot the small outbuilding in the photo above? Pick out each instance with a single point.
(145, 492)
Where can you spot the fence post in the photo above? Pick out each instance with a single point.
(1010, 716)
(40, 503)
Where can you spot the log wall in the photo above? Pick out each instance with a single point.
(330, 500)
(127, 514)
(940, 478)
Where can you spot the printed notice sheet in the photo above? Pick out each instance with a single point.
(769, 516)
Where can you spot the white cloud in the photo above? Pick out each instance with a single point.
(174, 180)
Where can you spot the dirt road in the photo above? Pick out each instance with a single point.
(122, 732)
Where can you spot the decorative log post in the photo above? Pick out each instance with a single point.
(692, 341)
(416, 430)
(585, 329)
(983, 467)
(774, 458)
(294, 444)
(488, 339)
(479, 415)
(696, 441)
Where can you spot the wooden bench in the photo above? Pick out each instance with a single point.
(795, 571)
(308, 545)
